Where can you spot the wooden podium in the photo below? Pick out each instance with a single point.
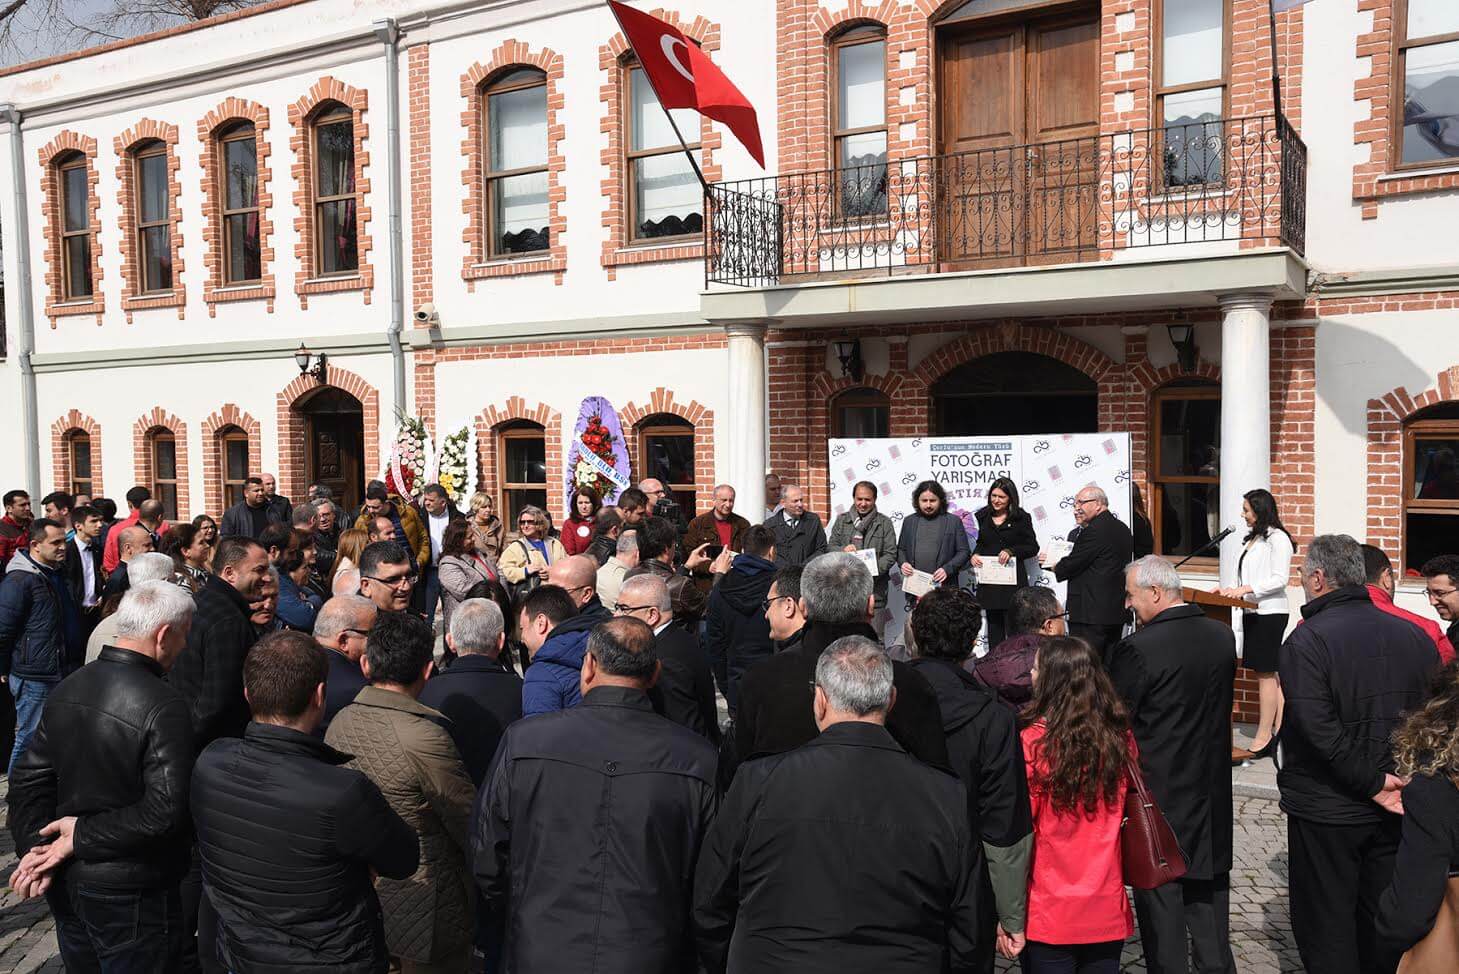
(1218, 607)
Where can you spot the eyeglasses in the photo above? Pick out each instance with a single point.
(1061, 615)
(528, 520)
(400, 581)
(765, 606)
(624, 610)
(362, 633)
(1087, 500)
(1436, 596)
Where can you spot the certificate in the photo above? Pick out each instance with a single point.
(1058, 550)
(992, 573)
(918, 584)
(868, 558)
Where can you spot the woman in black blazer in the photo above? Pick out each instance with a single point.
(1005, 533)
(933, 540)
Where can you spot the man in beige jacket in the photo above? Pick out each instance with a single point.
(403, 747)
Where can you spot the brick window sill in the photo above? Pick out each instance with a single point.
(263, 291)
(689, 247)
(144, 302)
(71, 309)
(511, 267)
(331, 285)
(1414, 182)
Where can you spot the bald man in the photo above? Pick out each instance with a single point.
(551, 683)
(132, 542)
(578, 576)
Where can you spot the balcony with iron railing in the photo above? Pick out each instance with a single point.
(1231, 185)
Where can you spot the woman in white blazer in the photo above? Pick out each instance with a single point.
(1261, 577)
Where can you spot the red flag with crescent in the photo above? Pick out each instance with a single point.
(683, 76)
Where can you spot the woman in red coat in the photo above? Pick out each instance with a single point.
(577, 530)
(1074, 750)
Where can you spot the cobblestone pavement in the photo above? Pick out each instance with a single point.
(1261, 934)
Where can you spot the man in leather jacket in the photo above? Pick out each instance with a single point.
(102, 829)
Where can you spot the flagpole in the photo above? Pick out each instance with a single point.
(1276, 69)
(693, 163)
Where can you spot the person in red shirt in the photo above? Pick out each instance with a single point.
(1075, 749)
(577, 530)
(1381, 586)
(14, 526)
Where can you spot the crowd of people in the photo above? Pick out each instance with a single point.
(413, 738)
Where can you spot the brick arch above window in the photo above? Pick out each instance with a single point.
(661, 402)
(211, 126)
(613, 95)
(52, 154)
(1012, 337)
(301, 117)
(126, 145)
(478, 262)
(293, 430)
(490, 421)
(1387, 416)
(226, 419)
(143, 431)
(62, 430)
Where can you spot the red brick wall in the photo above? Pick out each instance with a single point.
(210, 127)
(143, 430)
(126, 144)
(228, 418)
(661, 402)
(301, 117)
(1386, 416)
(489, 423)
(422, 235)
(50, 155)
(61, 430)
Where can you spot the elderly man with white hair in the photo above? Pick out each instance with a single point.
(103, 788)
(851, 802)
(684, 691)
(479, 693)
(1175, 674)
(341, 627)
(1094, 570)
(151, 566)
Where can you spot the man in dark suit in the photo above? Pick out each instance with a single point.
(1176, 674)
(478, 693)
(341, 627)
(83, 565)
(1095, 570)
(684, 691)
(799, 534)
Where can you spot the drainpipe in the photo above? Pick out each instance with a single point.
(29, 424)
(389, 35)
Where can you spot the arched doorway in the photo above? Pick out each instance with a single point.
(1014, 393)
(334, 438)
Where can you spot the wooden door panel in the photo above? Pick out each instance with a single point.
(983, 107)
(1063, 162)
(1063, 70)
(335, 453)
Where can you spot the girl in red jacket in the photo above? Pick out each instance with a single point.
(1074, 749)
(577, 530)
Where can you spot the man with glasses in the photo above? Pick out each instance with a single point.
(1381, 587)
(578, 576)
(385, 576)
(1442, 574)
(684, 691)
(1034, 613)
(341, 628)
(1095, 570)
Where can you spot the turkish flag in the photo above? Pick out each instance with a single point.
(683, 76)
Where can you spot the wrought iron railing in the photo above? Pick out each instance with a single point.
(1231, 180)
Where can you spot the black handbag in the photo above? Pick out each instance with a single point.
(530, 580)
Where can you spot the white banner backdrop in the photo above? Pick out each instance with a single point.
(1048, 470)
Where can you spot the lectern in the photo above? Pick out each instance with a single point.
(1218, 607)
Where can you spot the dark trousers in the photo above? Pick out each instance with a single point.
(1101, 958)
(200, 924)
(1336, 874)
(428, 592)
(1199, 909)
(101, 930)
(1101, 638)
(997, 626)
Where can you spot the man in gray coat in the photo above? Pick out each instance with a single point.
(864, 528)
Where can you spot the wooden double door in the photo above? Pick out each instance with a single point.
(335, 452)
(1018, 175)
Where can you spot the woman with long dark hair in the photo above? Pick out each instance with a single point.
(933, 540)
(462, 567)
(1005, 534)
(1425, 751)
(191, 553)
(1076, 747)
(577, 530)
(1261, 577)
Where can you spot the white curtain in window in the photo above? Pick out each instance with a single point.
(518, 121)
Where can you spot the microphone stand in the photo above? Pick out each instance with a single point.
(1209, 544)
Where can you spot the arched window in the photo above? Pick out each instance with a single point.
(233, 461)
(517, 211)
(859, 120)
(1185, 466)
(521, 456)
(238, 154)
(666, 453)
(162, 446)
(336, 232)
(74, 183)
(861, 413)
(664, 197)
(78, 456)
(1430, 485)
(152, 192)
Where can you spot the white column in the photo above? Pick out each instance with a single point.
(1246, 413)
(746, 425)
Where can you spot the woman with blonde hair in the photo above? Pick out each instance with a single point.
(351, 543)
(487, 530)
(527, 558)
(1426, 868)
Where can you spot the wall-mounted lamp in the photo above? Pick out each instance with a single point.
(1183, 337)
(848, 352)
(303, 357)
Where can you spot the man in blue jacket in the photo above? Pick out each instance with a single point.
(556, 619)
(42, 640)
(736, 631)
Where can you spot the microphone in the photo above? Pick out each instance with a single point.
(1229, 529)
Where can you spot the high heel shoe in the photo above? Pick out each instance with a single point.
(1271, 750)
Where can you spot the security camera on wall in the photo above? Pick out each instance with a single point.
(426, 315)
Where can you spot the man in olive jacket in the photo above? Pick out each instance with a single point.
(865, 528)
(403, 747)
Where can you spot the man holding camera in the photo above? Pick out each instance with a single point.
(662, 504)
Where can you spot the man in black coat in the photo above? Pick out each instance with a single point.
(799, 534)
(684, 691)
(341, 628)
(1349, 673)
(479, 694)
(736, 632)
(842, 855)
(82, 567)
(984, 749)
(1095, 570)
(250, 516)
(287, 835)
(836, 601)
(103, 789)
(1175, 675)
(581, 888)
